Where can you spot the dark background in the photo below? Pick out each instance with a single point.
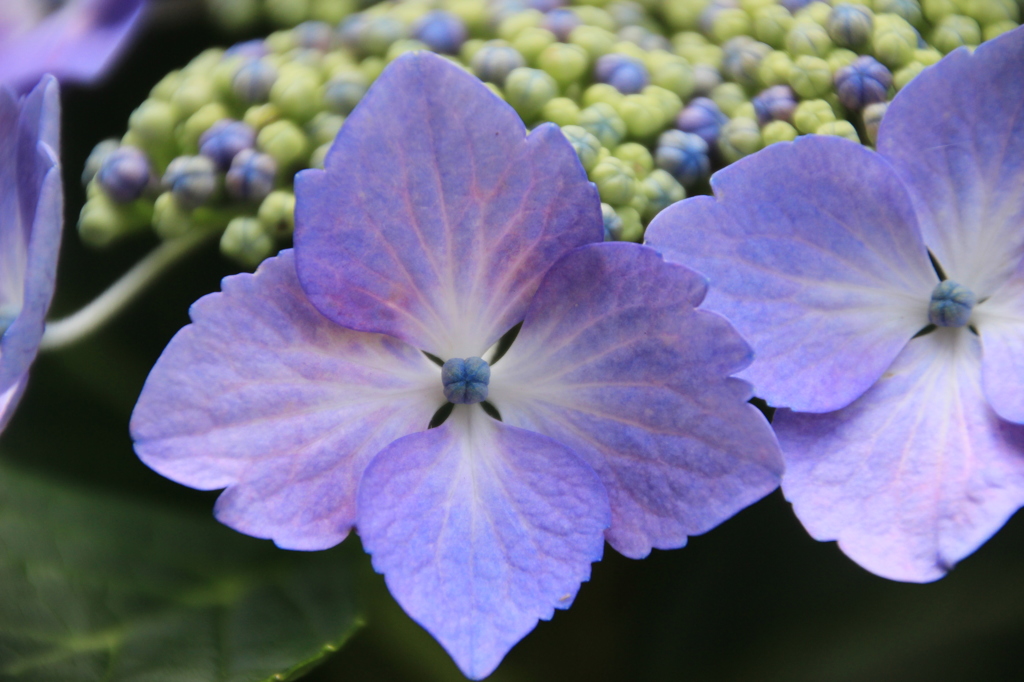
(755, 599)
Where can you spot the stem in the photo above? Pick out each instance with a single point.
(103, 308)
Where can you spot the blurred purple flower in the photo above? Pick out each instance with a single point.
(76, 40)
(903, 436)
(438, 225)
(31, 218)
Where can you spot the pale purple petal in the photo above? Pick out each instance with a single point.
(437, 215)
(78, 42)
(955, 135)
(916, 474)
(263, 395)
(615, 361)
(481, 529)
(31, 221)
(1000, 322)
(812, 252)
(9, 400)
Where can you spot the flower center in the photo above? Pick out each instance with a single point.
(951, 304)
(465, 380)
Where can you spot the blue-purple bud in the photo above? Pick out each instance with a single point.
(684, 155)
(702, 117)
(251, 176)
(125, 174)
(316, 35)
(344, 91)
(612, 223)
(96, 158)
(561, 22)
(951, 304)
(253, 81)
(466, 380)
(192, 180)
(795, 6)
(776, 103)
(494, 61)
(741, 59)
(626, 74)
(850, 25)
(440, 31)
(546, 5)
(863, 82)
(250, 49)
(644, 38)
(224, 139)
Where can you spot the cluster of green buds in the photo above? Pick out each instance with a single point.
(241, 15)
(653, 95)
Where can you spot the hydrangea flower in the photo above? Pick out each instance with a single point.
(902, 380)
(438, 226)
(31, 218)
(76, 40)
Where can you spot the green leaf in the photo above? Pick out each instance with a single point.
(97, 588)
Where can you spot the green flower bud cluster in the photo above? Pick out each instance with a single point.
(614, 75)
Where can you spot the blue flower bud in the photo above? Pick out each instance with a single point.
(776, 103)
(603, 122)
(125, 174)
(192, 180)
(495, 61)
(441, 31)
(465, 380)
(702, 117)
(250, 49)
(344, 91)
(850, 25)
(612, 223)
(626, 74)
(795, 6)
(741, 59)
(224, 139)
(253, 81)
(864, 82)
(561, 22)
(644, 38)
(951, 304)
(251, 176)
(316, 35)
(684, 155)
(96, 158)
(586, 145)
(662, 190)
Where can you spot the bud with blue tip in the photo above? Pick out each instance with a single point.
(951, 304)
(741, 60)
(441, 31)
(702, 117)
(253, 81)
(125, 174)
(344, 90)
(850, 25)
(224, 140)
(612, 223)
(466, 380)
(495, 60)
(586, 145)
(864, 82)
(603, 122)
(872, 115)
(776, 103)
(683, 155)
(561, 22)
(192, 180)
(624, 73)
(96, 158)
(251, 176)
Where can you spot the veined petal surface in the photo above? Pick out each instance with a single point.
(955, 135)
(615, 361)
(76, 43)
(1000, 322)
(437, 216)
(31, 221)
(481, 529)
(813, 253)
(263, 395)
(917, 473)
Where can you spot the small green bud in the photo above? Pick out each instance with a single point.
(998, 28)
(751, 6)
(603, 122)
(474, 13)
(807, 37)
(530, 42)
(615, 181)
(586, 145)
(516, 22)
(372, 67)
(591, 15)
(894, 40)
(561, 111)
(775, 69)
(324, 127)
(954, 31)
(728, 96)
(811, 114)
(285, 142)
(223, 76)
(198, 123)
(910, 10)
(906, 74)
(991, 11)
(662, 190)
(669, 102)
(637, 156)
(937, 10)
(280, 42)
(739, 137)
(639, 201)
(745, 110)
(676, 77)
(103, 220)
(319, 156)
(643, 116)
(810, 77)
(277, 213)
(684, 15)
(873, 114)
(840, 57)
(528, 90)
(596, 41)
(287, 12)
(151, 127)
(602, 92)
(563, 62)
(170, 219)
(204, 62)
(632, 228)
(167, 86)
(630, 50)
(778, 131)
(495, 90)
(612, 222)
(927, 56)
(297, 95)
(771, 24)
(818, 12)
(259, 116)
(400, 47)
(470, 48)
(729, 23)
(331, 11)
(246, 241)
(193, 92)
(235, 15)
(839, 129)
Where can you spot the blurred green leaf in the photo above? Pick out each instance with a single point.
(96, 588)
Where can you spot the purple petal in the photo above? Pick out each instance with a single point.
(481, 529)
(263, 395)
(9, 400)
(1000, 322)
(437, 215)
(955, 135)
(813, 253)
(614, 361)
(31, 221)
(915, 475)
(76, 43)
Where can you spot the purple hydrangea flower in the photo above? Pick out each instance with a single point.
(76, 40)
(438, 226)
(903, 436)
(31, 218)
